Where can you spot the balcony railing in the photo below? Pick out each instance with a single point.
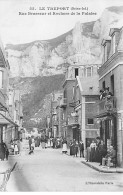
(107, 105)
(63, 102)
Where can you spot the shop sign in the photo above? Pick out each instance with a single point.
(109, 105)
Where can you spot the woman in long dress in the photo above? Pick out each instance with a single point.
(48, 145)
(93, 149)
(64, 149)
(88, 151)
(33, 142)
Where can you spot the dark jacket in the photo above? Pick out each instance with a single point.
(81, 146)
(102, 150)
(30, 141)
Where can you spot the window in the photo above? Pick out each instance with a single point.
(1, 79)
(103, 85)
(90, 121)
(112, 84)
(89, 72)
(65, 94)
(73, 91)
(105, 53)
(113, 44)
(76, 72)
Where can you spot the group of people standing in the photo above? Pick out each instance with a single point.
(76, 147)
(96, 151)
(45, 142)
(15, 147)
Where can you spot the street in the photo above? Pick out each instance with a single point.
(49, 170)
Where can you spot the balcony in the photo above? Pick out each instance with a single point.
(63, 102)
(107, 105)
(73, 120)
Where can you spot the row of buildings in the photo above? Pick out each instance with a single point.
(11, 113)
(78, 112)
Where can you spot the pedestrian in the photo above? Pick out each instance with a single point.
(51, 142)
(15, 149)
(76, 148)
(30, 143)
(102, 151)
(71, 147)
(33, 142)
(7, 153)
(18, 144)
(92, 154)
(46, 142)
(64, 149)
(31, 150)
(81, 149)
(38, 141)
(54, 142)
(97, 153)
(2, 150)
(88, 151)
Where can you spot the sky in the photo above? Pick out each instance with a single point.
(18, 29)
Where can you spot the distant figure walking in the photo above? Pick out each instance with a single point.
(81, 148)
(64, 149)
(7, 153)
(31, 150)
(15, 149)
(30, 143)
(76, 148)
(33, 142)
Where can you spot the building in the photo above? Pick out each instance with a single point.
(67, 98)
(16, 111)
(111, 76)
(6, 123)
(9, 125)
(85, 98)
(56, 114)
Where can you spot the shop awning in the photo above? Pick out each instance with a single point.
(5, 121)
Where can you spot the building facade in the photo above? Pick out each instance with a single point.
(111, 77)
(86, 96)
(8, 125)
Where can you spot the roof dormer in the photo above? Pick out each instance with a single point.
(106, 49)
(114, 34)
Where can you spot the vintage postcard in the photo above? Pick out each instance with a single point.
(61, 96)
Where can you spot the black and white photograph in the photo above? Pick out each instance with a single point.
(61, 96)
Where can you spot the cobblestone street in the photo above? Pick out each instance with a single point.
(50, 170)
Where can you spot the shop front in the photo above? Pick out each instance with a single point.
(108, 122)
(108, 130)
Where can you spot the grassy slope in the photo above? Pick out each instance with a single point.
(39, 87)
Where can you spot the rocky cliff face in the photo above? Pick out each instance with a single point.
(82, 45)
